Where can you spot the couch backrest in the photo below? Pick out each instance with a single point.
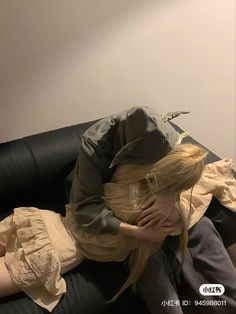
(33, 169)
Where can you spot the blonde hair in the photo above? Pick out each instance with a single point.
(179, 170)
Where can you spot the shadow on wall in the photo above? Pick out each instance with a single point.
(36, 40)
(29, 30)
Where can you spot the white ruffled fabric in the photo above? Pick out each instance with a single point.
(38, 250)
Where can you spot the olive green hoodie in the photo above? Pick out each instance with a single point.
(135, 136)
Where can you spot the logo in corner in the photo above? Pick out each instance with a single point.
(212, 289)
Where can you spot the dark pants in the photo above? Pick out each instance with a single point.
(166, 290)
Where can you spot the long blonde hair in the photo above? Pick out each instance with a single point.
(179, 170)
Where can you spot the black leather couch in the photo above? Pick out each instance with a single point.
(32, 173)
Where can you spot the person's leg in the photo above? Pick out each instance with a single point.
(6, 228)
(2, 250)
(207, 262)
(157, 285)
(7, 287)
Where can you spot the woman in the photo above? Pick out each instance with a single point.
(30, 230)
(205, 258)
(38, 246)
(138, 136)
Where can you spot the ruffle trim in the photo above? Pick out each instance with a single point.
(38, 250)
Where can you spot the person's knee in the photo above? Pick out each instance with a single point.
(203, 226)
(202, 231)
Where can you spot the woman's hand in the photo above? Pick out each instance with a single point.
(155, 234)
(156, 209)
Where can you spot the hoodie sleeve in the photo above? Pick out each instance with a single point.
(87, 187)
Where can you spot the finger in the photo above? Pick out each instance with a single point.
(166, 225)
(151, 223)
(147, 212)
(145, 223)
(146, 219)
(159, 221)
(149, 201)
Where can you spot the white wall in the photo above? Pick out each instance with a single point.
(67, 61)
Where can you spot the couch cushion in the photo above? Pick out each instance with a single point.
(89, 287)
